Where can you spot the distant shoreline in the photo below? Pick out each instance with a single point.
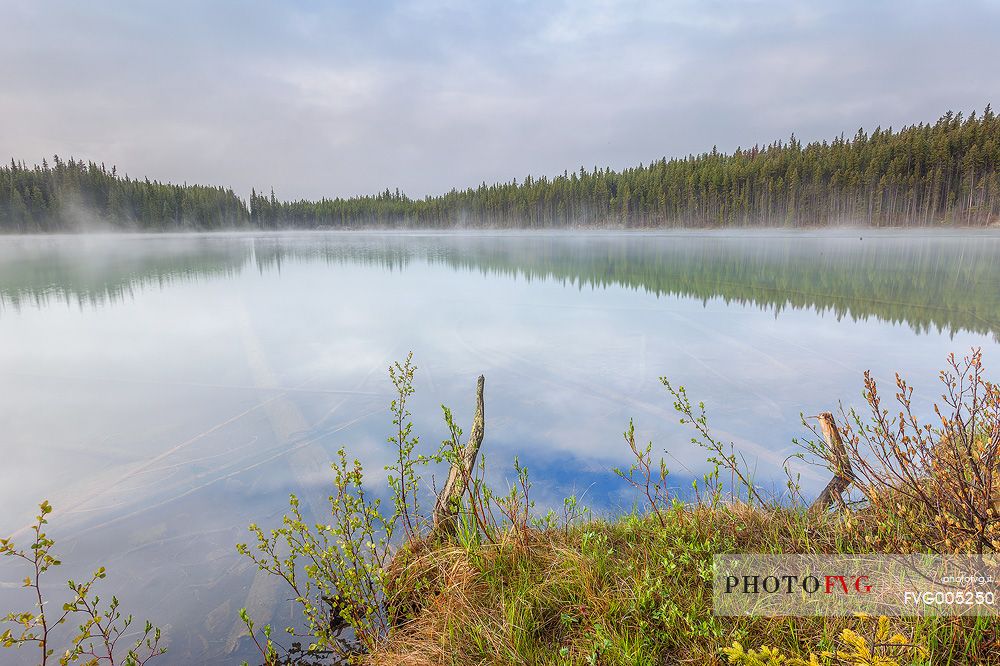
(924, 175)
(580, 230)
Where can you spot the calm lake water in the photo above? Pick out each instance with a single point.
(164, 391)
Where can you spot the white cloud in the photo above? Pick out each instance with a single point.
(351, 98)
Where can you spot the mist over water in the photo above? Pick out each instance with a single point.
(164, 391)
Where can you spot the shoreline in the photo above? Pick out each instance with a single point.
(580, 231)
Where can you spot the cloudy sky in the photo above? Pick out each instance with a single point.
(340, 98)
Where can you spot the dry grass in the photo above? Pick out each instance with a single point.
(631, 591)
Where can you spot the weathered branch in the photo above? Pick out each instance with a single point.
(843, 475)
(448, 502)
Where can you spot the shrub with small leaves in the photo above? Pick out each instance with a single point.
(936, 484)
(883, 649)
(99, 636)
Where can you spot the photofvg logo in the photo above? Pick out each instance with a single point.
(894, 585)
(787, 584)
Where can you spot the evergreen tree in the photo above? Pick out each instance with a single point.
(925, 174)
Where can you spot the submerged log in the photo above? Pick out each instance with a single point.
(843, 475)
(446, 507)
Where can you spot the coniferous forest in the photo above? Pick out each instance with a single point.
(943, 173)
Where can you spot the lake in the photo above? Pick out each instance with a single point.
(163, 391)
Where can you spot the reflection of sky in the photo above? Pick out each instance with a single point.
(160, 424)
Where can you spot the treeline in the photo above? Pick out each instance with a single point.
(921, 175)
(73, 195)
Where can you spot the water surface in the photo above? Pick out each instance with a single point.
(164, 391)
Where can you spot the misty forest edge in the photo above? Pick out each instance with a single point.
(943, 173)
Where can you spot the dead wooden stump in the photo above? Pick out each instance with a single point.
(446, 507)
(843, 475)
